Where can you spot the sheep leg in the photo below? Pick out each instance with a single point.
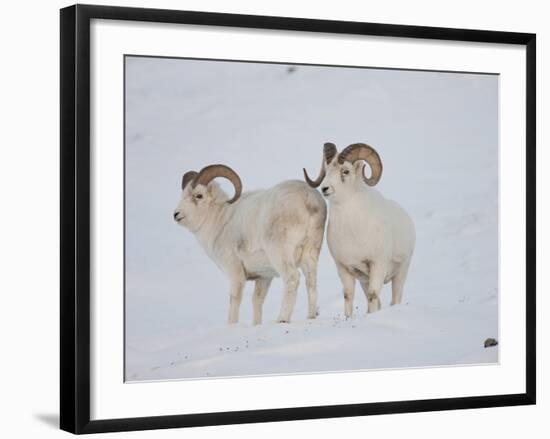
(235, 298)
(291, 280)
(260, 291)
(348, 282)
(309, 268)
(365, 287)
(376, 282)
(397, 284)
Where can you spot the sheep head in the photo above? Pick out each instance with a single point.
(344, 169)
(199, 192)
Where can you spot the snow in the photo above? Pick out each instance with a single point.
(437, 136)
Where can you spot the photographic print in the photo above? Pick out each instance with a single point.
(382, 254)
(314, 219)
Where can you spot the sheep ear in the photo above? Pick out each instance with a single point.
(360, 167)
(213, 187)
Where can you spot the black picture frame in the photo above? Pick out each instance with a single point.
(75, 217)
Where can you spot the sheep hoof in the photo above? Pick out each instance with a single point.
(283, 321)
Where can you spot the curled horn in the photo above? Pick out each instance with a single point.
(329, 152)
(209, 173)
(362, 151)
(187, 177)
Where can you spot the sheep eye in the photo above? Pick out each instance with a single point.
(199, 196)
(345, 172)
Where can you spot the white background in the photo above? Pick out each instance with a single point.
(29, 181)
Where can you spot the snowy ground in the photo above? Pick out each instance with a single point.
(437, 136)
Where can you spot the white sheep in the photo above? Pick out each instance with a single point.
(257, 235)
(371, 238)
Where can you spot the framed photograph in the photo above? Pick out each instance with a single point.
(275, 218)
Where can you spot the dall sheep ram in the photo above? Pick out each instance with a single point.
(371, 238)
(256, 235)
